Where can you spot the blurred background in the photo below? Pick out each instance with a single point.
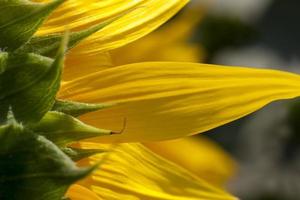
(266, 144)
(258, 156)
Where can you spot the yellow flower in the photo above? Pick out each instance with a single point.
(159, 100)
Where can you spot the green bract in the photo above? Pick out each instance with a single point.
(19, 20)
(36, 130)
(76, 109)
(32, 167)
(63, 129)
(28, 84)
(49, 44)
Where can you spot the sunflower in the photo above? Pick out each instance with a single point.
(158, 100)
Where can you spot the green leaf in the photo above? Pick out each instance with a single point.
(28, 84)
(76, 109)
(48, 45)
(32, 167)
(20, 19)
(63, 129)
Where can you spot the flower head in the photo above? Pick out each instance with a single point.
(159, 100)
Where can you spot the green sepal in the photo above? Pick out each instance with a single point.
(76, 109)
(78, 154)
(20, 71)
(47, 45)
(20, 19)
(32, 167)
(63, 129)
(28, 84)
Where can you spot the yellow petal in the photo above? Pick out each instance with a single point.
(77, 65)
(179, 52)
(144, 16)
(173, 47)
(169, 100)
(133, 172)
(199, 155)
(77, 192)
(151, 50)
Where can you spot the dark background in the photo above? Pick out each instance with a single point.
(266, 143)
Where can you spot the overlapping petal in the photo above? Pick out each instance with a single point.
(133, 172)
(138, 18)
(199, 155)
(77, 66)
(168, 43)
(168, 100)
